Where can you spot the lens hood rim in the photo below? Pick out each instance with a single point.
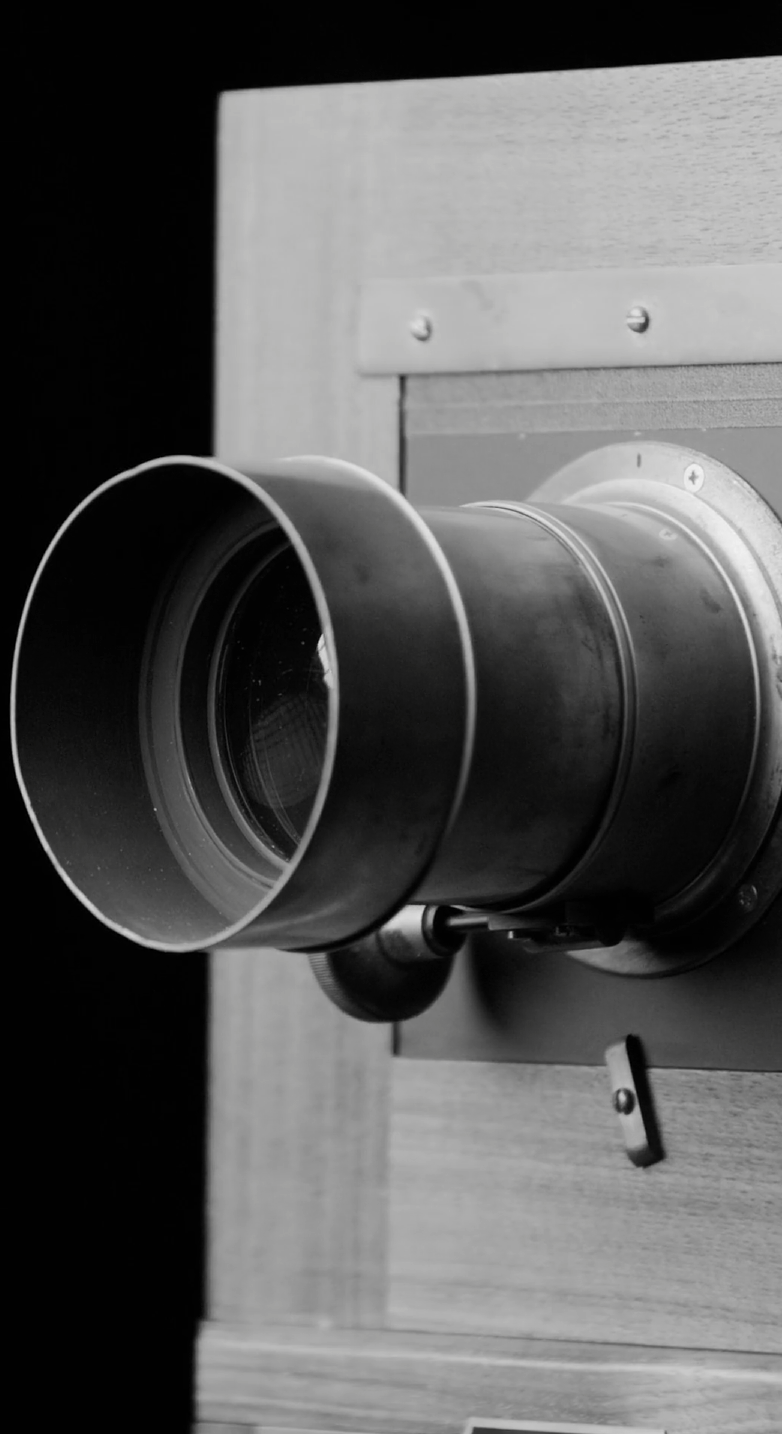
(281, 918)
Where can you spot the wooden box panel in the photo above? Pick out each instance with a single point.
(320, 1221)
(298, 1148)
(383, 1382)
(514, 1208)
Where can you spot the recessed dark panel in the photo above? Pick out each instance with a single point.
(504, 1005)
(478, 467)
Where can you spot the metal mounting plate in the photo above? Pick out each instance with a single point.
(536, 1426)
(485, 439)
(591, 318)
(691, 489)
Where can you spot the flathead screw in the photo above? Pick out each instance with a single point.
(421, 327)
(694, 477)
(638, 319)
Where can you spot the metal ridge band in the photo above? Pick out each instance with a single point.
(586, 318)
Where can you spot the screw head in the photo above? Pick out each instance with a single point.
(624, 1101)
(694, 477)
(638, 319)
(747, 897)
(421, 327)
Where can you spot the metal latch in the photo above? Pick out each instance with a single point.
(632, 1101)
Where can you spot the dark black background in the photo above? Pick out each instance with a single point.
(112, 163)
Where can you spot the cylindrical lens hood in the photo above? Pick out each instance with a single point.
(103, 691)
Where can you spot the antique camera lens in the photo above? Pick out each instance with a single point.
(271, 702)
(275, 708)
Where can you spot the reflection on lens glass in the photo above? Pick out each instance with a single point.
(272, 702)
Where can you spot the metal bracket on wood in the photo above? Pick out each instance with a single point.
(590, 318)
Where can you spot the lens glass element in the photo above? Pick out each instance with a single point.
(271, 702)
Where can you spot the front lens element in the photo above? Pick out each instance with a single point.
(272, 701)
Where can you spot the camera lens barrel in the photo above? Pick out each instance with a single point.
(274, 708)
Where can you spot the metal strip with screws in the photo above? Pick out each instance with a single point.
(591, 318)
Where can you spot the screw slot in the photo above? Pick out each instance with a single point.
(694, 477)
(638, 319)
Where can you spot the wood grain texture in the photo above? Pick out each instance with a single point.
(673, 164)
(298, 1111)
(293, 167)
(386, 1383)
(298, 1148)
(514, 1208)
